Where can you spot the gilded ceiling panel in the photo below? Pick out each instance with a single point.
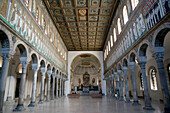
(83, 24)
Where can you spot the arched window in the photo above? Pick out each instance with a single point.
(141, 82)
(115, 37)
(109, 45)
(37, 14)
(153, 79)
(111, 40)
(26, 3)
(119, 25)
(125, 14)
(168, 69)
(134, 3)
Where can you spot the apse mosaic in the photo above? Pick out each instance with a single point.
(83, 24)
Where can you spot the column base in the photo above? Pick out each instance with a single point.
(166, 110)
(128, 101)
(135, 103)
(120, 99)
(20, 107)
(40, 102)
(47, 101)
(148, 108)
(32, 104)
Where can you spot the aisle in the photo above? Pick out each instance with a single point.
(85, 104)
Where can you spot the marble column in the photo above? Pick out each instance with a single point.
(126, 84)
(135, 95)
(164, 86)
(43, 71)
(110, 81)
(57, 87)
(3, 76)
(60, 87)
(142, 64)
(20, 106)
(121, 98)
(113, 87)
(48, 85)
(109, 86)
(34, 85)
(53, 86)
(117, 84)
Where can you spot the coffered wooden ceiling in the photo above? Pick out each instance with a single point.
(83, 24)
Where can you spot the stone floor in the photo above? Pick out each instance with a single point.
(86, 104)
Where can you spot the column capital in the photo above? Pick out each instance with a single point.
(124, 68)
(49, 73)
(6, 53)
(35, 67)
(132, 65)
(158, 56)
(115, 73)
(54, 75)
(43, 70)
(119, 71)
(24, 62)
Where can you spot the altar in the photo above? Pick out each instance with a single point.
(86, 89)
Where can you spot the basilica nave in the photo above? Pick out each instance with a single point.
(85, 56)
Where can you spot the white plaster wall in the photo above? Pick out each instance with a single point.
(72, 55)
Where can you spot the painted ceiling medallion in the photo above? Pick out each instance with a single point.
(82, 12)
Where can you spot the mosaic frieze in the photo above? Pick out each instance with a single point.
(25, 24)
